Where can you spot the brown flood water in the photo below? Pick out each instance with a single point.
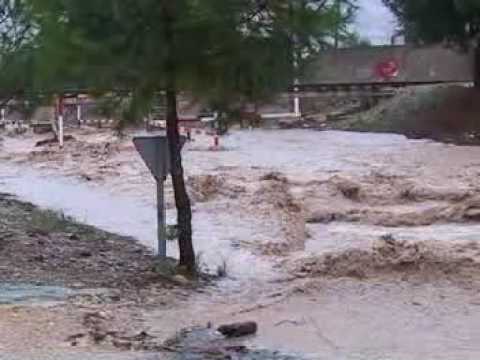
(272, 206)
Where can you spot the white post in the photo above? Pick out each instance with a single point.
(60, 130)
(79, 114)
(296, 83)
(59, 105)
(296, 101)
(296, 105)
(2, 114)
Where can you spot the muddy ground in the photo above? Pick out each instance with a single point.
(100, 277)
(68, 287)
(36, 243)
(340, 245)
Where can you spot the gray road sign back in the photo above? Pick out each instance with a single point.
(154, 152)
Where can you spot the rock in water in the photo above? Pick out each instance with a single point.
(472, 214)
(238, 329)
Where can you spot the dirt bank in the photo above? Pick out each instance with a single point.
(35, 244)
(121, 284)
(442, 113)
(118, 277)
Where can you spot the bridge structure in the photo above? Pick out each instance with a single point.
(380, 67)
(371, 73)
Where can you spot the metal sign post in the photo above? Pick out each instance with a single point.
(161, 220)
(154, 152)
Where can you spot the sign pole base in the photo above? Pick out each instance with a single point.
(161, 223)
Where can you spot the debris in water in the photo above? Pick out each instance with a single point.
(238, 329)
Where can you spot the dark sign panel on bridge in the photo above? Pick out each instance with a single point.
(391, 64)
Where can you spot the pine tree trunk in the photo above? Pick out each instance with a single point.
(182, 200)
(477, 66)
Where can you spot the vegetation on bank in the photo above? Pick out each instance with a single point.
(43, 246)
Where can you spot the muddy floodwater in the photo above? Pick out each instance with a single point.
(341, 245)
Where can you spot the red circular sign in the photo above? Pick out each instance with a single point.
(387, 69)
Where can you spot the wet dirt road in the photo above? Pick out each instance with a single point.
(274, 207)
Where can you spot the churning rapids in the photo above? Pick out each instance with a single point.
(341, 245)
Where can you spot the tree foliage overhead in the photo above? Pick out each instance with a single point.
(15, 25)
(241, 46)
(17, 32)
(437, 20)
(224, 50)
